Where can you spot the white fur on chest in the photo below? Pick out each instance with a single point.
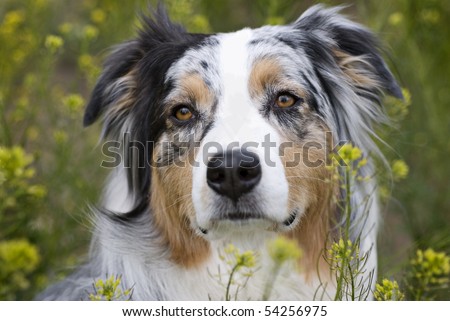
(209, 281)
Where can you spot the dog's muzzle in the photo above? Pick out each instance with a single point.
(234, 176)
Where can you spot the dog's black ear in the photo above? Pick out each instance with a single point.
(354, 48)
(115, 85)
(114, 94)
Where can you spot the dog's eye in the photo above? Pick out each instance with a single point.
(285, 100)
(183, 113)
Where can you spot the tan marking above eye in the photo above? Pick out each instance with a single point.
(194, 88)
(183, 113)
(285, 100)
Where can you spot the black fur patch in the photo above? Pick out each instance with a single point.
(160, 43)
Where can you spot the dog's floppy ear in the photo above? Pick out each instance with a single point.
(115, 85)
(353, 47)
(114, 94)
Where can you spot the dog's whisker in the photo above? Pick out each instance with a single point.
(179, 199)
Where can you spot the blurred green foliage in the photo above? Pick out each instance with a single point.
(50, 56)
(18, 259)
(15, 188)
(429, 275)
(19, 201)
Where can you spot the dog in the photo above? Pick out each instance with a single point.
(205, 116)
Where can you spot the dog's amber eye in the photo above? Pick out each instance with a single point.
(285, 100)
(183, 113)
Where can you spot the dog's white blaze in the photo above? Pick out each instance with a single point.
(237, 122)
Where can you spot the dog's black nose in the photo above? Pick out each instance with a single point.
(233, 173)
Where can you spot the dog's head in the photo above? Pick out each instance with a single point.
(236, 126)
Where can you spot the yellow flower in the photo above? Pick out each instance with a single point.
(18, 255)
(65, 28)
(406, 96)
(400, 170)
(388, 291)
(85, 61)
(398, 109)
(362, 162)
(74, 103)
(245, 259)
(356, 153)
(283, 249)
(395, 18)
(60, 136)
(38, 191)
(343, 251)
(88, 66)
(90, 32)
(13, 19)
(236, 261)
(348, 153)
(431, 267)
(14, 159)
(230, 249)
(109, 290)
(53, 43)
(98, 16)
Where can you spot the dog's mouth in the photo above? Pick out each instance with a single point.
(245, 219)
(241, 216)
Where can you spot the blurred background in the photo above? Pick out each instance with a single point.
(51, 54)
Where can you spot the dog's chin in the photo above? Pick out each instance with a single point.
(245, 224)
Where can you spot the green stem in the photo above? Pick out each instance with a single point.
(348, 212)
(6, 141)
(348, 205)
(339, 285)
(269, 285)
(419, 292)
(227, 292)
(352, 281)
